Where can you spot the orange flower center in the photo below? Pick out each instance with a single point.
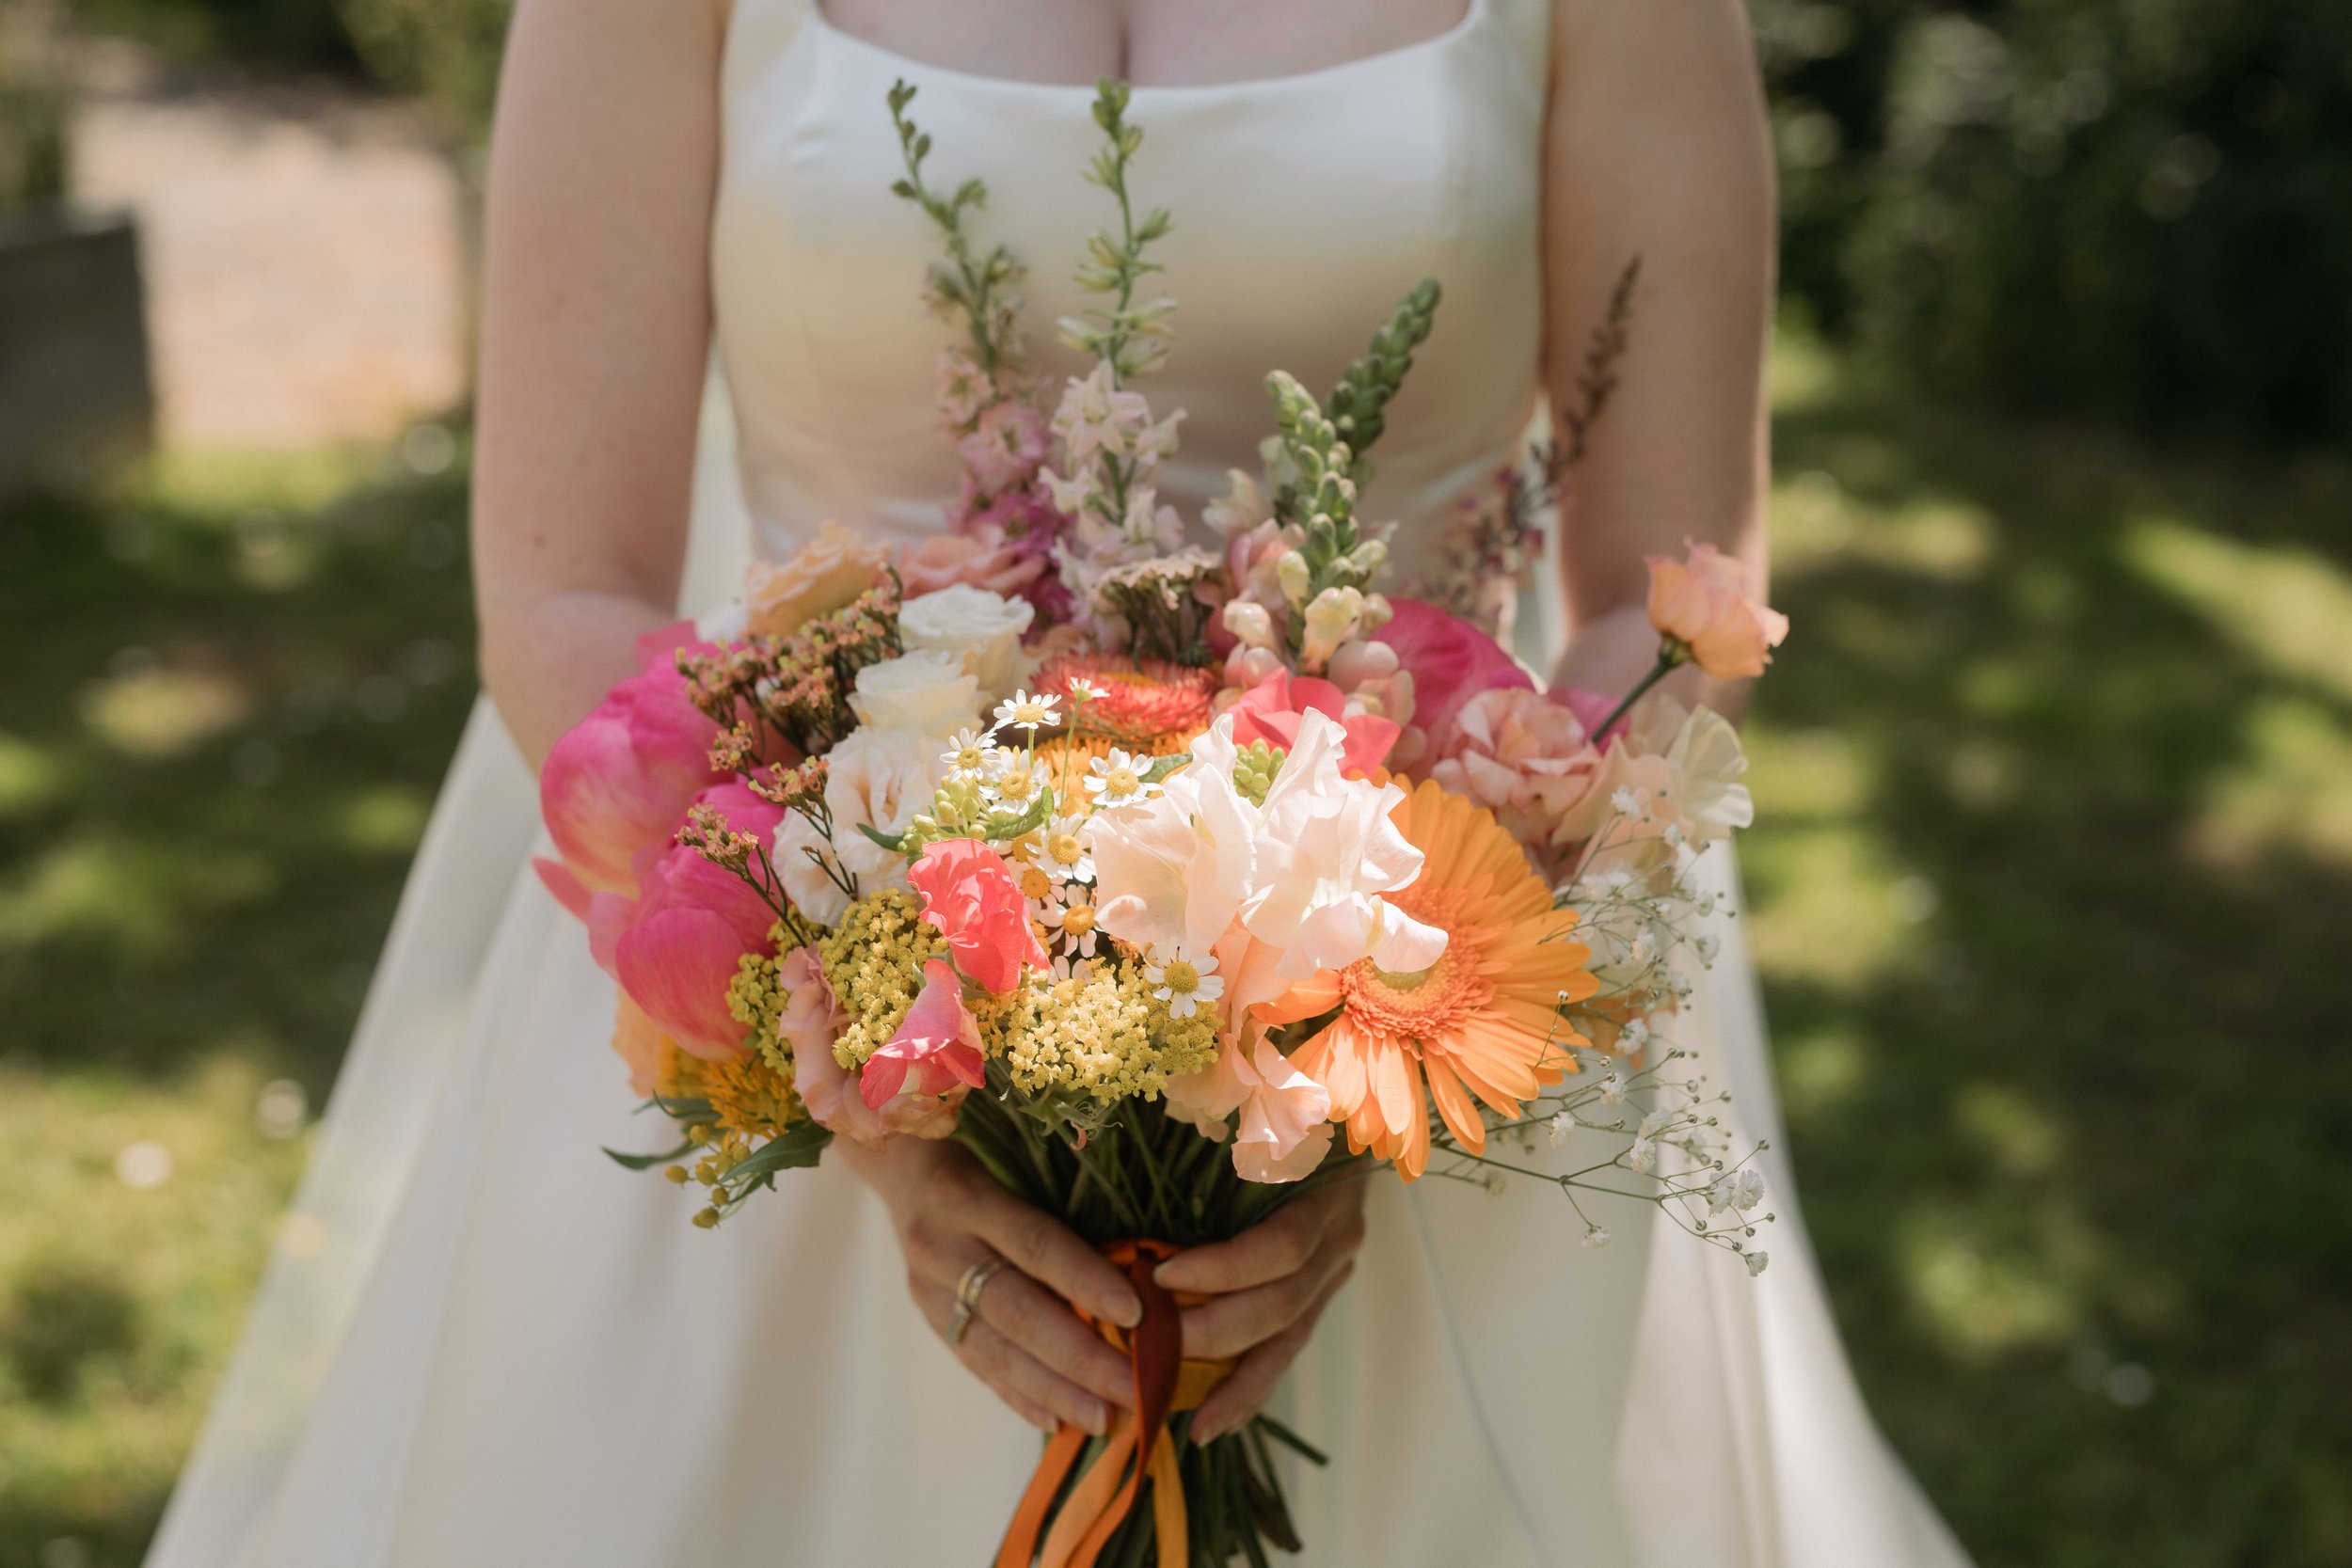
(1419, 1005)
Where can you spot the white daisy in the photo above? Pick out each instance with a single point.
(1118, 780)
(1183, 979)
(1070, 919)
(1063, 849)
(1028, 710)
(1064, 966)
(1015, 782)
(971, 755)
(1084, 690)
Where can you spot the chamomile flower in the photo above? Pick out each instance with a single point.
(1064, 852)
(1028, 710)
(1070, 920)
(1118, 780)
(1183, 979)
(1017, 780)
(1084, 690)
(971, 755)
(1065, 967)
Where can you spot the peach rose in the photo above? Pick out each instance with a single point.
(1704, 604)
(981, 559)
(822, 576)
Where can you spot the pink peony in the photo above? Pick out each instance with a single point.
(1270, 710)
(936, 1051)
(1451, 661)
(676, 946)
(1523, 756)
(1704, 604)
(617, 783)
(969, 894)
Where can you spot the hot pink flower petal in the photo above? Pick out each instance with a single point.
(969, 895)
(1590, 708)
(1451, 661)
(675, 948)
(618, 782)
(936, 1049)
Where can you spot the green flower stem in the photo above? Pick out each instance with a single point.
(1671, 656)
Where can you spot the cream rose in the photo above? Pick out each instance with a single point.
(982, 628)
(928, 692)
(822, 576)
(882, 778)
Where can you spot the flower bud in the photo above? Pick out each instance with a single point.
(1330, 621)
(1358, 664)
(1249, 620)
(1245, 667)
(1291, 572)
(1368, 558)
(1379, 612)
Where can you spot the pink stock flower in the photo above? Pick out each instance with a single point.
(676, 946)
(1006, 447)
(617, 783)
(1270, 711)
(1705, 603)
(1451, 661)
(970, 896)
(1523, 756)
(936, 1051)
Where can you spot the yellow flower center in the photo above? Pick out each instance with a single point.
(1180, 977)
(1077, 920)
(1029, 715)
(1121, 781)
(970, 760)
(1018, 783)
(1065, 849)
(1035, 883)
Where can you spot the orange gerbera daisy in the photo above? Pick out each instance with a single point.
(1482, 1022)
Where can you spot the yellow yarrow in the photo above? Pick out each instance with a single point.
(1104, 1037)
(874, 962)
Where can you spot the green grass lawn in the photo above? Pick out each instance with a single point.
(2053, 891)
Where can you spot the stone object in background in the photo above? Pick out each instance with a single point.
(76, 396)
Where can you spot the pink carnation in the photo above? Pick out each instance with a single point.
(970, 896)
(1451, 661)
(1523, 756)
(936, 1051)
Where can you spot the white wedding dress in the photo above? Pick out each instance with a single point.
(481, 1343)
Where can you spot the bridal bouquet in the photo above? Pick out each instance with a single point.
(1146, 870)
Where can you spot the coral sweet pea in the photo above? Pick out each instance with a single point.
(969, 894)
(1270, 710)
(617, 783)
(1703, 603)
(936, 1051)
(1451, 662)
(676, 946)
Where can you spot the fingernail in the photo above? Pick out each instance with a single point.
(1125, 1310)
(1098, 1419)
(1042, 1422)
(1159, 1277)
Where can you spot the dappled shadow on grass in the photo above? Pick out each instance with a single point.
(221, 725)
(2053, 889)
(226, 698)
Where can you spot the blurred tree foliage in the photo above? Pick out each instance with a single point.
(2137, 209)
(33, 101)
(447, 50)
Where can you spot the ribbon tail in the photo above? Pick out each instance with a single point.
(1091, 1499)
(1029, 1518)
(1168, 1503)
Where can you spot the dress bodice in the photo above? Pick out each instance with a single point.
(1304, 207)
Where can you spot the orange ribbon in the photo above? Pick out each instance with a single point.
(1137, 1445)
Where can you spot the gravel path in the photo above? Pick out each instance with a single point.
(304, 249)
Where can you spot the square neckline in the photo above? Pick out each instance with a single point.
(1473, 14)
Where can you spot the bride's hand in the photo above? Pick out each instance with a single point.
(1268, 1285)
(1024, 1342)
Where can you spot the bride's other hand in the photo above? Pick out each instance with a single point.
(1024, 1342)
(1266, 1288)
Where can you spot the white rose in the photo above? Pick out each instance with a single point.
(927, 693)
(982, 628)
(882, 778)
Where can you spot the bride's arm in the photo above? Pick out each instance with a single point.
(594, 331)
(1657, 147)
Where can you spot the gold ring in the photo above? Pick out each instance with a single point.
(968, 1291)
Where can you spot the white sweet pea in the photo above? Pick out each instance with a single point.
(925, 692)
